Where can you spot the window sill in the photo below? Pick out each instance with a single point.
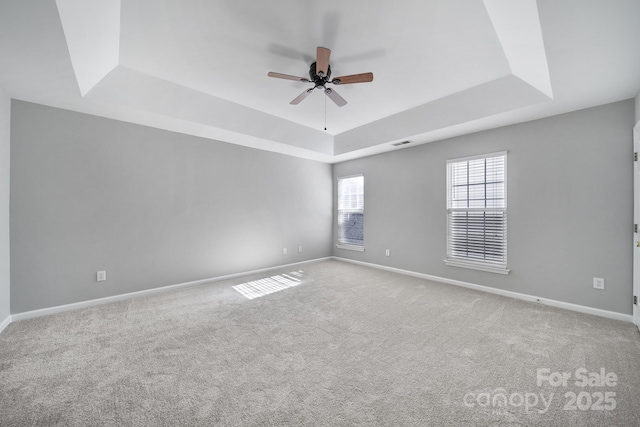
(350, 247)
(477, 266)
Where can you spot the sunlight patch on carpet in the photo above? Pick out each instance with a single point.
(261, 287)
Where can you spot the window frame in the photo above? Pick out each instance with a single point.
(348, 245)
(476, 264)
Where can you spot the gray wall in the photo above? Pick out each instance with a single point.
(5, 120)
(638, 107)
(150, 207)
(570, 206)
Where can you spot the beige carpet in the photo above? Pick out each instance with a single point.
(338, 345)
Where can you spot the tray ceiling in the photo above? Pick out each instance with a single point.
(442, 68)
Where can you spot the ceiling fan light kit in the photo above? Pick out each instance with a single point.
(320, 76)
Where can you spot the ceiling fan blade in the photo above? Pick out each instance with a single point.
(302, 96)
(353, 78)
(287, 77)
(340, 101)
(322, 60)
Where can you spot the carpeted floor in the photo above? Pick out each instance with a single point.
(342, 345)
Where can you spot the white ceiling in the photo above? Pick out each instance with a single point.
(442, 67)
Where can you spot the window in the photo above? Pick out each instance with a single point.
(351, 212)
(477, 213)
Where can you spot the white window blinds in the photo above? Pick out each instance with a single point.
(351, 210)
(477, 212)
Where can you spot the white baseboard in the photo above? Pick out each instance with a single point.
(5, 323)
(98, 301)
(560, 304)
(83, 304)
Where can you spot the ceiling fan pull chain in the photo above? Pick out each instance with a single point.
(325, 113)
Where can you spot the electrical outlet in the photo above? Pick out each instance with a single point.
(387, 252)
(598, 283)
(101, 276)
(299, 249)
(284, 251)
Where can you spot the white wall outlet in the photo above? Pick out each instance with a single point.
(598, 283)
(101, 276)
(284, 251)
(387, 252)
(299, 249)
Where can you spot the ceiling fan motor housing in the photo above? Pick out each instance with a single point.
(316, 79)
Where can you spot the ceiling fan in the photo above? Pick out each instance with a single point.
(320, 75)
